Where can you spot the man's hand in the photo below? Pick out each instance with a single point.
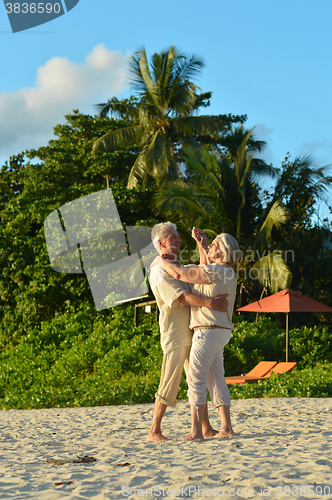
(220, 303)
(192, 299)
(200, 237)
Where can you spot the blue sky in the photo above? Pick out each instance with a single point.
(269, 60)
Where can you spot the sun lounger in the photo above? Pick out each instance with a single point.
(282, 367)
(252, 377)
(257, 372)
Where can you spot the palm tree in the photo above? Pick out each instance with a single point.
(222, 196)
(300, 184)
(162, 119)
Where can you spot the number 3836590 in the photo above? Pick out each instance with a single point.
(33, 8)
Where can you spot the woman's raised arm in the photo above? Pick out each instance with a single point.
(202, 243)
(189, 274)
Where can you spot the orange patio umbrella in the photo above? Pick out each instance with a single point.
(286, 301)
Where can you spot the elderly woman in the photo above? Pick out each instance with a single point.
(212, 329)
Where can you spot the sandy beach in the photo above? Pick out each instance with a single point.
(282, 449)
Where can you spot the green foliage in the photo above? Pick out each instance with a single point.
(222, 196)
(307, 245)
(164, 117)
(31, 292)
(265, 340)
(55, 348)
(252, 343)
(218, 195)
(84, 358)
(310, 346)
(81, 360)
(313, 382)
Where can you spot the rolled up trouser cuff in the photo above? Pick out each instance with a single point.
(217, 387)
(164, 401)
(171, 373)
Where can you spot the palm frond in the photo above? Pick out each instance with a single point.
(181, 98)
(121, 108)
(181, 198)
(154, 161)
(194, 158)
(277, 215)
(117, 139)
(205, 164)
(138, 170)
(299, 179)
(259, 167)
(156, 157)
(162, 69)
(187, 66)
(272, 271)
(195, 125)
(242, 161)
(237, 135)
(322, 182)
(136, 78)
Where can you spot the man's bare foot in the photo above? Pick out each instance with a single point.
(194, 437)
(225, 432)
(209, 433)
(158, 437)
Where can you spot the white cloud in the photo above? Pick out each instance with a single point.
(27, 116)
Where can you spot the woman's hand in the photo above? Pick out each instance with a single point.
(200, 237)
(203, 245)
(159, 261)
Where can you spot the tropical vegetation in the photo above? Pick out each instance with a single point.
(220, 195)
(162, 161)
(163, 119)
(81, 359)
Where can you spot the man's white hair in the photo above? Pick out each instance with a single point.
(160, 232)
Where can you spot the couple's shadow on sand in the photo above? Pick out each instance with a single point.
(242, 435)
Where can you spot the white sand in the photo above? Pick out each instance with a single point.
(282, 443)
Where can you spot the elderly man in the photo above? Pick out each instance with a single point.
(173, 298)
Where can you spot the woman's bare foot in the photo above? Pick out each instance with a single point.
(194, 437)
(157, 437)
(225, 432)
(209, 433)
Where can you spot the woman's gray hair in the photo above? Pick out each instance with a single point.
(160, 232)
(230, 248)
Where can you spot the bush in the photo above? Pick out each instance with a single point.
(85, 358)
(313, 382)
(264, 340)
(78, 360)
(251, 343)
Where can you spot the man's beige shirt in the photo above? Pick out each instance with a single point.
(174, 316)
(222, 280)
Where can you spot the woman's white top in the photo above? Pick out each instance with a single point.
(222, 280)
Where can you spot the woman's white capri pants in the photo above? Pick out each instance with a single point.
(206, 367)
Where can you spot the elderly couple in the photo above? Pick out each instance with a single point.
(204, 288)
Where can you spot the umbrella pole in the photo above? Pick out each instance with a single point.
(287, 337)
